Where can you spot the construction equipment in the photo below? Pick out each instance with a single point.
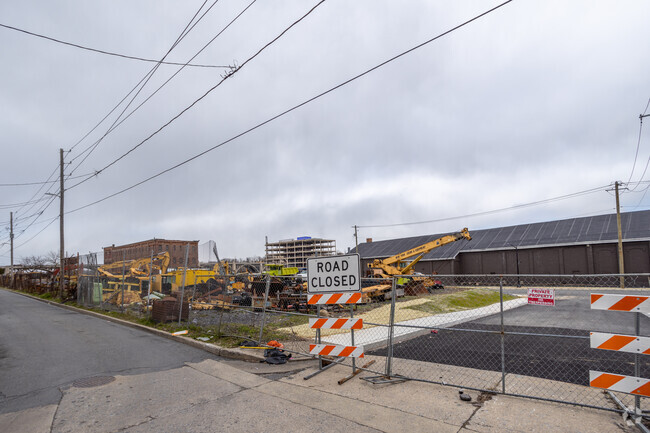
(136, 268)
(397, 265)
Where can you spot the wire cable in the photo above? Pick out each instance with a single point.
(45, 182)
(115, 125)
(638, 143)
(188, 28)
(230, 74)
(109, 53)
(277, 116)
(490, 212)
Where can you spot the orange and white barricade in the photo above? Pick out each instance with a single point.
(620, 383)
(336, 350)
(635, 304)
(334, 298)
(620, 343)
(321, 323)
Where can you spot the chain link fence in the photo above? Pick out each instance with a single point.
(468, 331)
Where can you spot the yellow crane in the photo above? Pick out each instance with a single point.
(397, 264)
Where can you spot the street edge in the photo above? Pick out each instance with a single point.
(225, 352)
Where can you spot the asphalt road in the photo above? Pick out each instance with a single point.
(44, 348)
(540, 341)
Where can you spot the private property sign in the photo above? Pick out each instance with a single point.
(541, 296)
(333, 274)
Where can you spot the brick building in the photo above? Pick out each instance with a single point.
(139, 250)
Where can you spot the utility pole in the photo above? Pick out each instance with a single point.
(11, 240)
(621, 269)
(356, 239)
(62, 250)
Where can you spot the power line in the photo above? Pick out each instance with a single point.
(115, 125)
(232, 72)
(144, 82)
(45, 182)
(638, 143)
(490, 212)
(109, 53)
(277, 116)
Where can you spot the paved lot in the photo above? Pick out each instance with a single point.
(546, 342)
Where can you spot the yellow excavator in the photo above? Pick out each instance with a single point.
(136, 268)
(396, 265)
(136, 273)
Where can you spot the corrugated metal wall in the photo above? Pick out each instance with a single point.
(575, 259)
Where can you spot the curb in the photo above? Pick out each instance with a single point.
(225, 352)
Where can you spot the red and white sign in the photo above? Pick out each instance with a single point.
(336, 350)
(617, 382)
(321, 323)
(636, 304)
(334, 298)
(541, 296)
(621, 343)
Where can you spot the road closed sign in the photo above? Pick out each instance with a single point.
(541, 296)
(333, 274)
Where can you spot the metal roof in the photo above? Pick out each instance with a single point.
(574, 231)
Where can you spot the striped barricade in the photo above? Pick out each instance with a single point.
(620, 383)
(321, 323)
(336, 350)
(636, 304)
(620, 343)
(334, 298)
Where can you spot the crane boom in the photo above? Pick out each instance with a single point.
(390, 265)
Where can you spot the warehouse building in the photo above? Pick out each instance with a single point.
(139, 250)
(573, 246)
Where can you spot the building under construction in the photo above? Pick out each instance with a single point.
(139, 250)
(295, 252)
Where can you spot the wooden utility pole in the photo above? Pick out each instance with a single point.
(11, 241)
(61, 250)
(356, 239)
(621, 268)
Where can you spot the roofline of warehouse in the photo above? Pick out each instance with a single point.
(526, 247)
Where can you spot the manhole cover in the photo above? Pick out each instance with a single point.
(89, 382)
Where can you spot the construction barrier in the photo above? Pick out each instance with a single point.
(336, 350)
(639, 304)
(620, 383)
(334, 298)
(336, 323)
(622, 343)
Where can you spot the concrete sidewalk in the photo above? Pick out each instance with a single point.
(237, 396)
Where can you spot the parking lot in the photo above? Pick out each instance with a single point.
(546, 342)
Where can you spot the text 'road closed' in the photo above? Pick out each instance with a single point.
(333, 274)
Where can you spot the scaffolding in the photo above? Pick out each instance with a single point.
(295, 252)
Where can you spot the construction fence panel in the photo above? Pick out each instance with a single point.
(435, 338)
(480, 332)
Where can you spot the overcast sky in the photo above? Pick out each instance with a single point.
(535, 100)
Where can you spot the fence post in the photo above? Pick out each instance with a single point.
(180, 311)
(503, 351)
(266, 297)
(637, 368)
(391, 323)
